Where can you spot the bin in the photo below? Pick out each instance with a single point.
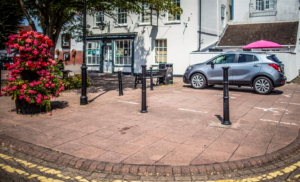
(169, 74)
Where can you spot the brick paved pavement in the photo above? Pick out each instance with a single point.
(181, 127)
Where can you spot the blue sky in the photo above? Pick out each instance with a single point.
(25, 22)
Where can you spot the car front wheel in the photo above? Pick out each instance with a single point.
(262, 85)
(198, 81)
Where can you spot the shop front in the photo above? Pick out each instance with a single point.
(109, 53)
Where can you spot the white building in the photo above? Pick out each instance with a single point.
(133, 40)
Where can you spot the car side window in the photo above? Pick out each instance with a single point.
(245, 58)
(224, 59)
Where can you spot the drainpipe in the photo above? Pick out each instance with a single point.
(232, 9)
(199, 26)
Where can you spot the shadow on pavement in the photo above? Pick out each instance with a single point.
(97, 96)
(59, 104)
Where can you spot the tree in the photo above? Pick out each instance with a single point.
(10, 17)
(54, 14)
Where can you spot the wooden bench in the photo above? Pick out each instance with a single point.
(158, 74)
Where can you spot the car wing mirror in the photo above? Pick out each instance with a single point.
(212, 64)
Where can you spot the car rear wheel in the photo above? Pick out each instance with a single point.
(262, 85)
(198, 81)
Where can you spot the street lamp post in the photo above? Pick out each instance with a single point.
(83, 98)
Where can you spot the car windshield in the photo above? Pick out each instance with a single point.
(273, 58)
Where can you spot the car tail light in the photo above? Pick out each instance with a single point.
(275, 66)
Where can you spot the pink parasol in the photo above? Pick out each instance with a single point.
(262, 44)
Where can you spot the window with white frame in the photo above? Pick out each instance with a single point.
(93, 53)
(99, 18)
(172, 17)
(146, 14)
(223, 15)
(122, 17)
(262, 5)
(160, 51)
(123, 52)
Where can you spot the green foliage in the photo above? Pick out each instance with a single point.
(74, 82)
(10, 17)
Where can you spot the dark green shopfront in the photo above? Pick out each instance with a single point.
(111, 52)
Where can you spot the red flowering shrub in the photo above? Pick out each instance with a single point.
(34, 51)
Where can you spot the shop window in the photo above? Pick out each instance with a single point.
(93, 53)
(65, 41)
(146, 14)
(122, 17)
(123, 52)
(160, 51)
(175, 17)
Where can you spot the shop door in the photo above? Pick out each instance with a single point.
(107, 59)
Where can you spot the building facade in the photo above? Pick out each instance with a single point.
(150, 38)
(69, 50)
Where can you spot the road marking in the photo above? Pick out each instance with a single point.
(177, 91)
(273, 110)
(185, 90)
(128, 102)
(191, 110)
(279, 122)
(290, 103)
(222, 96)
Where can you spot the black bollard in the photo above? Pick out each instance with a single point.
(120, 83)
(144, 107)
(226, 97)
(0, 76)
(151, 79)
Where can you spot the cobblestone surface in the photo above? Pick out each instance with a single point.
(17, 166)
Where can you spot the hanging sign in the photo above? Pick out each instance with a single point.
(154, 17)
(121, 52)
(89, 51)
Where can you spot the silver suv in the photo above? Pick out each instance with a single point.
(259, 70)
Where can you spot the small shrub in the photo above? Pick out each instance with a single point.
(74, 82)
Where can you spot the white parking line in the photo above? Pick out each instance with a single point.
(128, 102)
(177, 91)
(191, 110)
(278, 122)
(290, 103)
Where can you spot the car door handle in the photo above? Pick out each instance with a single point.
(256, 65)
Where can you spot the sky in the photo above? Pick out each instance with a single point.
(25, 22)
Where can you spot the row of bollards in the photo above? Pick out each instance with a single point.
(225, 121)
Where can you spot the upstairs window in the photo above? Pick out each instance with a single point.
(65, 41)
(122, 17)
(99, 19)
(262, 5)
(223, 15)
(146, 14)
(172, 17)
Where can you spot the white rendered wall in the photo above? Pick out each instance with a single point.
(287, 10)
(200, 57)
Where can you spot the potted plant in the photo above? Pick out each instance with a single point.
(73, 52)
(56, 53)
(32, 80)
